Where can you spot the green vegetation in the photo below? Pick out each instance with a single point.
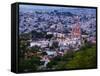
(29, 60)
(84, 58)
(38, 34)
(29, 64)
(35, 48)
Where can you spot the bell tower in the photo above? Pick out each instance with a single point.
(76, 29)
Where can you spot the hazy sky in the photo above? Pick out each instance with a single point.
(30, 8)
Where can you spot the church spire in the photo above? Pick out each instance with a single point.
(76, 30)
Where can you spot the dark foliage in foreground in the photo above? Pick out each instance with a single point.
(84, 58)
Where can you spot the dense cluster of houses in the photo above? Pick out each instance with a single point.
(55, 24)
(65, 42)
(73, 40)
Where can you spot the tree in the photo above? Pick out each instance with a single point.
(24, 44)
(49, 36)
(55, 45)
(30, 64)
(51, 64)
(35, 48)
(83, 59)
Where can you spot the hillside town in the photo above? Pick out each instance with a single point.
(62, 31)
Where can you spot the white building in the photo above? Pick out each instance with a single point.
(42, 44)
(51, 53)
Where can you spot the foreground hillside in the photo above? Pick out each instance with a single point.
(84, 58)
